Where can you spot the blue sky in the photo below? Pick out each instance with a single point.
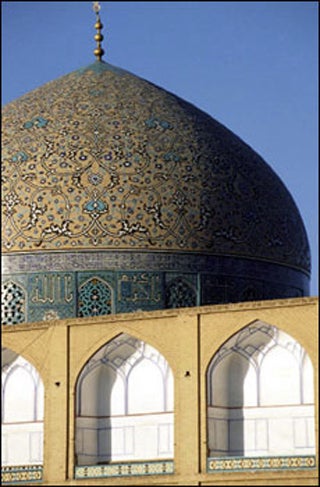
(251, 65)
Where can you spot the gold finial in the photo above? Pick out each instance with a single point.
(98, 52)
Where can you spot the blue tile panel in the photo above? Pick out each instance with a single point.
(143, 283)
(125, 469)
(238, 464)
(22, 474)
(63, 285)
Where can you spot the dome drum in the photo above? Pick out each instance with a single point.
(90, 284)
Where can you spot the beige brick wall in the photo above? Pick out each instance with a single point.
(188, 339)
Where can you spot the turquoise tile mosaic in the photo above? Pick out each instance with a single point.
(238, 464)
(60, 285)
(125, 469)
(22, 474)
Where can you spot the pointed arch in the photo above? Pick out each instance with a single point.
(95, 297)
(260, 395)
(22, 411)
(124, 407)
(180, 294)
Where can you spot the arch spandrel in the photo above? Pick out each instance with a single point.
(294, 322)
(99, 335)
(27, 354)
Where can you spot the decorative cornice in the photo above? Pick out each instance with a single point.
(166, 313)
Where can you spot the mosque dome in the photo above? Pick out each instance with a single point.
(108, 174)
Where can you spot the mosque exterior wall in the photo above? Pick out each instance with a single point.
(188, 338)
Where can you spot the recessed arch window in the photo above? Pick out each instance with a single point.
(124, 405)
(260, 395)
(22, 411)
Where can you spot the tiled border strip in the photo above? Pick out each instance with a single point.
(21, 474)
(124, 469)
(238, 464)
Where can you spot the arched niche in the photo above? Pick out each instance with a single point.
(180, 294)
(95, 298)
(22, 411)
(260, 399)
(124, 404)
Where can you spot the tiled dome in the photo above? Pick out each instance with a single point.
(101, 160)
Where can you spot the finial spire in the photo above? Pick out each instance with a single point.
(98, 52)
